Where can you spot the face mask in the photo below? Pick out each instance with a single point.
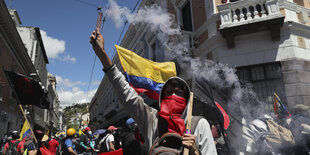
(173, 105)
(171, 110)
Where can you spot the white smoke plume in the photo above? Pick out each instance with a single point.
(157, 20)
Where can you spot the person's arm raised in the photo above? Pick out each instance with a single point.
(97, 42)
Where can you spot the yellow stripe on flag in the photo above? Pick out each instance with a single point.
(25, 130)
(133, 64)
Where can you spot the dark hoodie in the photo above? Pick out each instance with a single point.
(147, 118)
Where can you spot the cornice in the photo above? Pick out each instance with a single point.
(292, 6)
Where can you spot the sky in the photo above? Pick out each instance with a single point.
(65, 27)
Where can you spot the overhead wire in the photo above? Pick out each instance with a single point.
(125, 23)
(98, 25)
(101, 28)
(86, 3)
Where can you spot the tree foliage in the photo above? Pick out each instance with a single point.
(72, 114)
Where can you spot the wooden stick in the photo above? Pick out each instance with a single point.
(19, 103)
(189, 119)
(21, 108)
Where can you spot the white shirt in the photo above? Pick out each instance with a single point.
(110, 138)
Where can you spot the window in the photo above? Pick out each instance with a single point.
(187, 17)
(265, 79)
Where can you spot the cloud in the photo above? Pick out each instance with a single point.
(95, 82)
(69, 92)
(55, 48)
(68, 58)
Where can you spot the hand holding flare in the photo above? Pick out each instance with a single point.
(97, 42)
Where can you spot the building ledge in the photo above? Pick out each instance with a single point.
(272, 24)
(249, 16)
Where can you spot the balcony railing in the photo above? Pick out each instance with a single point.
(245, 11)
(250, 16)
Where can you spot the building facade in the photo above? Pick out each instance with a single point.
(13, 57)
(266, 41)
(22, 51)
(32, 39)
(54, 116)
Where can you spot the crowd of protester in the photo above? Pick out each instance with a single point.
(127, 138)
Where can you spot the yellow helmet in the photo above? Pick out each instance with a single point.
(70, 132)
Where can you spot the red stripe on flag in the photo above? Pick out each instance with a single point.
(149, 93)
(225, 116)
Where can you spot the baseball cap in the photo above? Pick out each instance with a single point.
(130, 121)
(87, 129)
(112, 128)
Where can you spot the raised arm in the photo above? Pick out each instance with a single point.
(97, 42)
(132, 103)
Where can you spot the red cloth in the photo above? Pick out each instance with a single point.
(171, 110)
(225, 116)
(19, 146)
(116, 152)
(52, 145)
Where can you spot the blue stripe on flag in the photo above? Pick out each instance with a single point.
(142, 82)
(26, 133)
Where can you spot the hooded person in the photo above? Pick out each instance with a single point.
(152, 123)
(132, 141)
(300, 127)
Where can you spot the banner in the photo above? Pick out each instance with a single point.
(28, 91)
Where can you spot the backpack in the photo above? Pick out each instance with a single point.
(279, 136)
(168, 144)
(77, 144)
(171, 143)
(12, 150)
(102, 144)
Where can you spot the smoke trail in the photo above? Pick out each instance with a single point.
(157, 20)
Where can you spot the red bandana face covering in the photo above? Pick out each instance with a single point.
(171, 110)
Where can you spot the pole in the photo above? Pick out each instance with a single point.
(21, 108)
(189, 119)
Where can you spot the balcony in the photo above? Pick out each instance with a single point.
(249, 16)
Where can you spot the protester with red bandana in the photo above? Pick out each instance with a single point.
(174, 97)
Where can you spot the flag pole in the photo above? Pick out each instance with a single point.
(189, 119)
(21, 108)
(19, 104)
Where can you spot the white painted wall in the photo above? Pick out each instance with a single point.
(256, 48)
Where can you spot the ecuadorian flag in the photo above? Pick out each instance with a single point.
(144, 75)
(25, 131)
(279, 108)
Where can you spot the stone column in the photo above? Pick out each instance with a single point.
(296, 77)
